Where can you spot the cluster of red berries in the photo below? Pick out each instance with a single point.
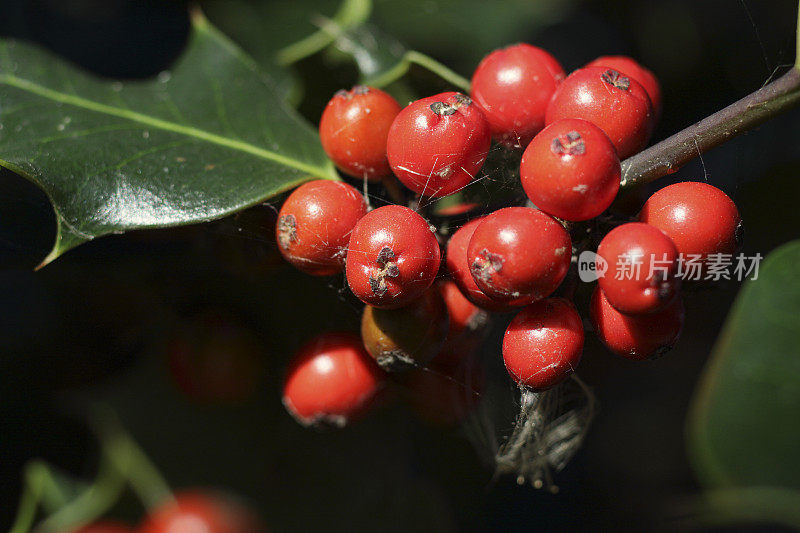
(574, 130)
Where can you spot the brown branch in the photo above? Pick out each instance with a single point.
(672, 153)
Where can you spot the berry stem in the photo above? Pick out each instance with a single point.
(351, 14)
(670, 154)
(416, 58)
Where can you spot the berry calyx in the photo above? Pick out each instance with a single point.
(513, 86)
(635, 70)
(314, 225)
(642, 268)
(332, 381)
(400, 339)
(699, 218)
(570, 170)
(353, 130)
(612, 101)
(636, 337)
(438, 144)
(458, 267)
(543, 344)
(393, 257)
(198, 511)
(518, 255)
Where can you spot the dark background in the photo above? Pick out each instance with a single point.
(93, 325)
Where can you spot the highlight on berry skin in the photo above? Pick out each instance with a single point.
(437, 145)
(353, 130)
(518, 255)
(331, 381)
(393, 257)
(543, 344)
(512, 86)
(571, 170)
(314, 225)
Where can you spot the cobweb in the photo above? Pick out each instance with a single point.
(517, 432)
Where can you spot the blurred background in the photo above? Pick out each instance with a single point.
(104, 323)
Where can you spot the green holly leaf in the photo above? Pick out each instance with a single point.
(743, 428)
(209, 137)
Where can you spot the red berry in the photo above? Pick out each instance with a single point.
(699, 218)
(642, 267)
(635, 70)
(197, 511)
(616, 103)
(543, 344)
(393, 257)
(438, 144)
(571, 170)
(512, 86)
(448, 391)
(636, 336)
(216, 359)
(353, 130)
(467, 324)
(105, 527)
(314, 225)
(519, 255)
(332, 381)
(399, 339)
(458, 267)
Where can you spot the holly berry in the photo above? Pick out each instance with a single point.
(216, 359)
(636, 336)
(616, 103)
(406, 337)
(314, 225)
(448, 391)
(438, 144)
(393, 257)
(464, 315)
(458, 267)
(543, 344)
(518, 255)
(571, 170)
(467, 327)
(353, 130)
(512, 86)
(331, 381)
(105, 527)
(193, 511)
(642, 268)
(635, 70)
(699, 218)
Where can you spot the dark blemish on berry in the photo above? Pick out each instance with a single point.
(486, 265)
(394, 361)
(568, 144)
(388, 269)
(615, 79)
(287, 231)
(462, 100)
(443, 109)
